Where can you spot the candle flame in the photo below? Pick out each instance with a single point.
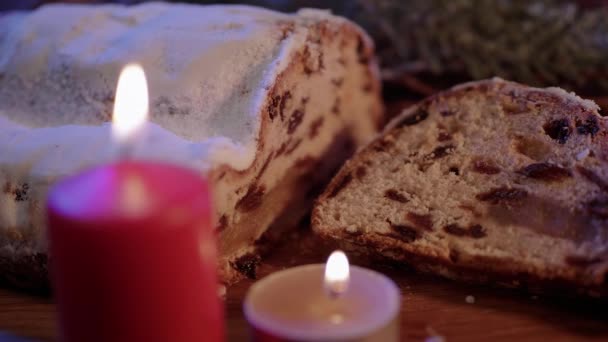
(337, 274)
(131, 102)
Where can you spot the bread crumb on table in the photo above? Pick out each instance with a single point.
(469, 299)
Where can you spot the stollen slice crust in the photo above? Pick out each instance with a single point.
(488, 182)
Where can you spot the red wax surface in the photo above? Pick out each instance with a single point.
(133, 256)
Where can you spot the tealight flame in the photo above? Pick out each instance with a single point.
(337, 274)
(131, 103)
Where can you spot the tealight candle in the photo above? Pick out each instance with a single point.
(132, 247)
(332, 302)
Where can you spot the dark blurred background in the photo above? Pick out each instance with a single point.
(427, 45)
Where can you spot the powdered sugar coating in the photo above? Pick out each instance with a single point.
(209, 70)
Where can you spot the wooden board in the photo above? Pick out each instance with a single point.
(431, 306)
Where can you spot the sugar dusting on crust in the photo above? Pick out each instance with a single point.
(588, 104)
(209, 69)
(570, 96)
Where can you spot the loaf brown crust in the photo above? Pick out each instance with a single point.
(463, 241)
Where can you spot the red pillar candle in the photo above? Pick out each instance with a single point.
(133, 255)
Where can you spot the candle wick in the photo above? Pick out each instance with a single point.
(332, 294)
(335, 290)
(125, 152)
(125, 149)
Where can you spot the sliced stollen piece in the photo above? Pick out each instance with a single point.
(267, 105)
(491, 181)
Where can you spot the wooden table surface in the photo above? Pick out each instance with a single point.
(431, 307)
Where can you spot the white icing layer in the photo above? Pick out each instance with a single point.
(209, 69)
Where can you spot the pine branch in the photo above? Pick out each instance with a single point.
(540, 42)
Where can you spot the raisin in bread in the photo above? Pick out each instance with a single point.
(267, 105)
(491, 181)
